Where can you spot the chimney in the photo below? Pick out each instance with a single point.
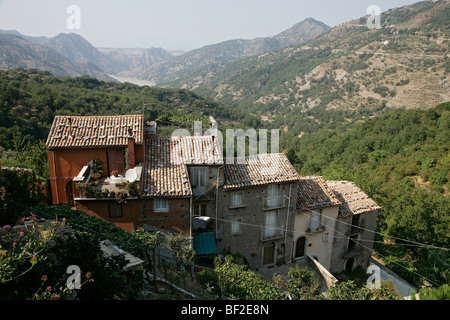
(131, 151)
(70, 127)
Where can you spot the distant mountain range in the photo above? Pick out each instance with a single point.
(176, 72)
(18, 52)
(301, 78)
(350, 68)
(72, 55)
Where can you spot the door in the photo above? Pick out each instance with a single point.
(269, 254)
(116, 160)
(300, 247)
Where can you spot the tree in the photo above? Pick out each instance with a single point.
(18, 188)
(348, 290)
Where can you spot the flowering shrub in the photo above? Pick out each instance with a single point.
(23, 253)
(121, 197)
(115, 173)
(131, 188)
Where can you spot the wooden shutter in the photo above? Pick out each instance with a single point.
(116, 160)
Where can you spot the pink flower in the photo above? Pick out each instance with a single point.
(44, 278)
(6, 227)
(21, 233)
(56, 297)
(48, 288)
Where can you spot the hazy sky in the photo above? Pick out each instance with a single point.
(176, 24)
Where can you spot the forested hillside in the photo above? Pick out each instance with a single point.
(402, 161)
(30, 99)
(350, 69)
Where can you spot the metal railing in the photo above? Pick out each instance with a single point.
(274, 233)
(273, 202)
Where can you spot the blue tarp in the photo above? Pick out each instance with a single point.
(204, 243)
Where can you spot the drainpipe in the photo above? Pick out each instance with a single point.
(131, 152)
(191, 217)
(56, 176)
(287, 220)
(217, 195)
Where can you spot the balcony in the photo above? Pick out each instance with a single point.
(104, 188)
(268, 234)
(319, 229)
(273, 203)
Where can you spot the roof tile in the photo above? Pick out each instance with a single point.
(314, 193)
(354, 200)
(259, 170)
(94, 131)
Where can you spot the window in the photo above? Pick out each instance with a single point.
(355, 220)
(199, 177)
(161, 205)
(200, 210)
(271, 224)
(273, 194)
(236, 226)
(115, 210)
(352, 242)
(315, 220)
(237, 199)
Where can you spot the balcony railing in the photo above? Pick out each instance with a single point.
(274, 233)
(104, 188)
(273, 202)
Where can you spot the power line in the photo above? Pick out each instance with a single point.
(370, 249)
(118, 241)
(388, 236)
(254, 225)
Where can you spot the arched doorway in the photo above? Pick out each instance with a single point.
(300, 247)
(350, 264)
(269, 254)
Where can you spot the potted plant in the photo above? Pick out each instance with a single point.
(81, 186)
(105, 193)
(89, 192)
(131, 188)
(96, 167)
(115, 173)
(121, 197)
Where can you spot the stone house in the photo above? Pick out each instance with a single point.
(257, 208)
(317, 208)
(335, 223)
(179, 181)
(355, 227)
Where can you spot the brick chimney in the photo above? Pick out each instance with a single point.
(131, 151)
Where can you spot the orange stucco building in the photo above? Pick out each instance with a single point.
(114, 141)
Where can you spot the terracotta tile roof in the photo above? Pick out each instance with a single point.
(166, 173)
(259, 170)
(354, 200)
(196, 150)
(314, 193)
(94, 131)
(162, 177)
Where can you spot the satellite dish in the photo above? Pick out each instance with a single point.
(131, 175)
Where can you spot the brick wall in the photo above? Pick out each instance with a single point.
(176, 219)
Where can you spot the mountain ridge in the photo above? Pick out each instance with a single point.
(349, 68)
(17, 52)
(210, 57)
